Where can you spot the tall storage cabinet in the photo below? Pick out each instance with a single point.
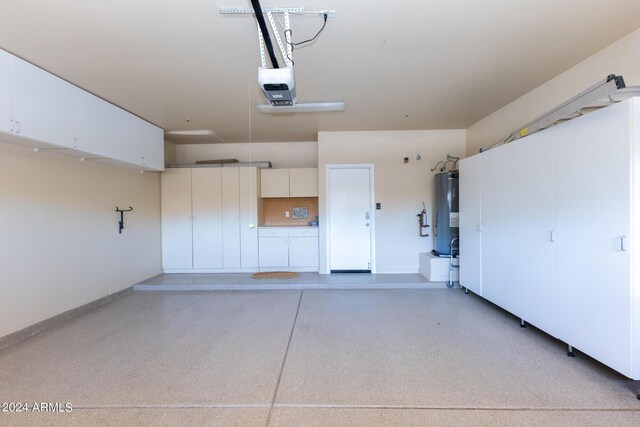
(206, 191)
(249, 183)
(559, 217)
(177, 232)
(518, 223)
(231, 217)
(471, 223)
(206, 218)
(595, 192)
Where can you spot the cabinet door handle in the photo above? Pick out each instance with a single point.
(479, 226)
(17, 126)
(623, 243)
(552, 235)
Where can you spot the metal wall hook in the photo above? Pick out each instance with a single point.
(121, 222)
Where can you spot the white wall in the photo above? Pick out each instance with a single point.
(401, 188)
(60, 243)
(281, 154)
(621, 58)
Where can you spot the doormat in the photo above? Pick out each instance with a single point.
(275, 275)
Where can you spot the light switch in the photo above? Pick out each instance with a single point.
(286, 214)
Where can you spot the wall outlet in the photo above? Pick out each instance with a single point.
(286, 214)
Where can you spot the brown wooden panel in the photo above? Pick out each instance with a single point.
(274, 210)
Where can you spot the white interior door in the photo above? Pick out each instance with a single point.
(593, 214)
(350, 218)
(207, 217)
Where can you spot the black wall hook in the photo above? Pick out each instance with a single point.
(121, 223)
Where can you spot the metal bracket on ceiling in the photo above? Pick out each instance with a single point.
(298, 10)
(263, 59)
(597, 96)
(249, 10)
(287, 58)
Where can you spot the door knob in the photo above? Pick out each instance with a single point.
(367, 224)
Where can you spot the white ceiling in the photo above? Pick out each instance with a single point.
(422, 64)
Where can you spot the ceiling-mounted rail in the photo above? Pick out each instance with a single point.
(597, 96)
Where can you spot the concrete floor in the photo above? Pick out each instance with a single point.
(309, 357)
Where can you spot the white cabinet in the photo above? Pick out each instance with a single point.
(42, 110)
(471, 224)
(518, 223)
(594, 211)
(206, 218)
(274, 248)
(103, 130)
(6, 124)
(231, 217)
(303, 182)
(92, 122)
(289, 248)
(249, 182)
(150, 140)
(303, 247)
(274, 183)
(303, 252)
(41, 104)
(176, 219)
(206, 190)
(295, 182)
(559, 217)
(137, 141)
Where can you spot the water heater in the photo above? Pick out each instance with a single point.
(446, 213)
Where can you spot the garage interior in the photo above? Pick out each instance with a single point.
(351, 213)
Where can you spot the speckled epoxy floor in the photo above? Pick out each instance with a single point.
(309, 357)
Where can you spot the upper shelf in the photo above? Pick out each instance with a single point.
(40, 110)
